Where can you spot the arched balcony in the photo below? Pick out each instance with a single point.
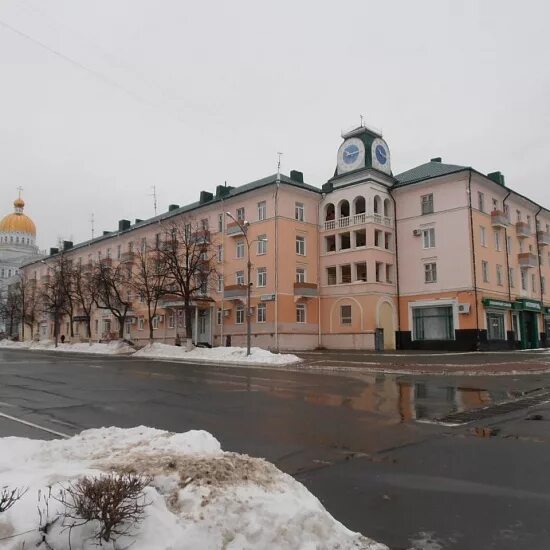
(359, 210)
(387, 207)
(377, 205)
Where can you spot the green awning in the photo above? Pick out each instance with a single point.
(500, 304)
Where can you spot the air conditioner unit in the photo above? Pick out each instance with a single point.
(417, 232)
(463, 308)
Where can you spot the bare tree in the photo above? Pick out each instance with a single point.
(85, 292)
(113, 288)
(53, 294)
(30, 303)
(149, 279)
(188, 258)
(10, 308)
(66, 273)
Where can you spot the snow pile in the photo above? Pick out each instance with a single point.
(218, 355)
(200, 497)
(116, 347)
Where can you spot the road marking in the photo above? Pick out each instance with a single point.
(32, 425)
(95, 366)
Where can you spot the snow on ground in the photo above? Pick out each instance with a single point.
(218, 355)
(200, 497)
(116, 347)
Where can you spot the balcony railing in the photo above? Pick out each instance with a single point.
(527, 260)
(234, 292)
(201, 237)
(543, 238)
(305, 289)
(499, 219)
(233, 229)
(127, 257)
(523, 230)
(357, 219)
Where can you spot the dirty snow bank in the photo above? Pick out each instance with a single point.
(217, 355)
(201, 497)
(116, 347)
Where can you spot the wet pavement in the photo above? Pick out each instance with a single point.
(369, 445)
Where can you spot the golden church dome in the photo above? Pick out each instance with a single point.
(18, 222)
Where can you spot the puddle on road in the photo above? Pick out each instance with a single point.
(399, 399)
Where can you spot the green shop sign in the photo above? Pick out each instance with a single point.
(501, 304)
(528, 305)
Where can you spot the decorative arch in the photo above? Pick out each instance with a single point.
(330, 212)
(349, 299)
(359, 205)
(377, 204)
(343, 208)
(382, 306)
(387, 207)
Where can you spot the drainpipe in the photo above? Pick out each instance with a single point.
(396, 265)
(540, 271)
(510, 314)
(473, 254)
(277, 184)
(319, 333)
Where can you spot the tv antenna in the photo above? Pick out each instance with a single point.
(154, 195)
(92, 222)
(279, 155)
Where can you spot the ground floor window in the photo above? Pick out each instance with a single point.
(495, 326)
(300, 313)
(433, 323)
(262, 313)
(240, 315)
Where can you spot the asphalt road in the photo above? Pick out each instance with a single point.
(363, 443)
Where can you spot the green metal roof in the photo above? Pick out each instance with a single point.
(426, 171)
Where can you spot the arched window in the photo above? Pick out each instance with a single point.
(359, 205)
(377, 204)
(330, 212)
(387, 207)
(343, 209)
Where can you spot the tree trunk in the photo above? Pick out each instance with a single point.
(121, 323)
(188, 321)
(71, 322)
(89, 327)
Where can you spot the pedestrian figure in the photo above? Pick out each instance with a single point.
(62, 338)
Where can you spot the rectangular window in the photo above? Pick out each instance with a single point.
(427, 204)
(300, 245)
(239, 317)
(220, 283)
(481, 201)
(239, 278)
(172, 320)
(204, 224)
(430, 273)
(345, 315)
(533, 285)
(261, 313)
(141, 323)
(499, 275)
(511, 277)
(219, 316)
(262, 276)
(482, 236)
(378, 237)
(509, 243)
(300, 275)
(496, 235)
(108, 254)
(433, 323)
(300, 313)
(495, 326)
(360, 237)
(428, 236)
(345, 273)
(220, 253)
(389, 273)
(331, 275)
(239, 249)
(220, 222)
(299, 211)
(495, 204)
(262, 245)
(379, 266)
(330, 243)
(387, 241)
(361, 271)
(262, 211)
(485, 271)
(523, 280)
(345, 241)
(240, 214)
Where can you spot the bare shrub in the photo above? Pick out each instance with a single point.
(8, 497)
(116, 502)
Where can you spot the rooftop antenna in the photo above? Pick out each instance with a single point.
(154, 195)
(361, 117)
(92, 221)
(279, 165)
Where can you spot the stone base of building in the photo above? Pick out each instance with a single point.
(465, 340)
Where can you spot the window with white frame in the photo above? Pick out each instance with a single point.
(239, 315)
(482, 236)
(509, 243)
(299, 211)
(221, 218)
(481, 201)
(239, 249)
(300, 313)
(240, 214)
(345, 315)
(427, 203)
(496, 234)
(533, 284)
(262, 276)
(300, 275)
(219, 316)
(204, 224)
(262, 211)
(261, 313)
(141, 323)
(261, 245)
(499, 275)
(524, 282)
(220, 283)
(300, 245)
(485, 271)
(220, 253)
(428, 236)
(511, 277)
(239, 278)
(156, 320)
(430, 272)
(172, 320)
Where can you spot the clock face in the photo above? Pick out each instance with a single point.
(381, 156)
(351, 155)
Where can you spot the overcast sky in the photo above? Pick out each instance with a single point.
(102, 99)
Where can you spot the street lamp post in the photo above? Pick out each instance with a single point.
(244, 228)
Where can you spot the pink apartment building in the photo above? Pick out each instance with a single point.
(438, 257)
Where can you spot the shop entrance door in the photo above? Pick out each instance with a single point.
(529, 338)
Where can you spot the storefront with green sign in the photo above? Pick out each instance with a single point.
(528, 313)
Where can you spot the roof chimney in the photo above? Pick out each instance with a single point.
(295, 175)
(497, 177)
(436, 159)
(123, 225)
(53, 251)
(172, 207)
(67, 245)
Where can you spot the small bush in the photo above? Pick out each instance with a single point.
(116, 502)
(8, 497)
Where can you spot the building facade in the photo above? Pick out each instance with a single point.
(437, 257)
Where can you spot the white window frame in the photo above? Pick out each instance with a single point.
(499, 275)
(301, 275)
(481, 201)
(261, 245)
(220, 253)
(427, 204)
(261, 313)
(485, 271)
(239, 277)
(430, 272)
(240, 214)
(262, 277)
(346, 320)
(141, 323)
(428, 238)
(239, 315)
(262, 211)
(301, 313)
(299, 211)
(300, 245)
(482, 236)
(239, 250)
